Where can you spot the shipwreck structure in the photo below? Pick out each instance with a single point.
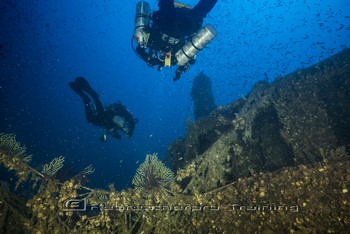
(295, 120)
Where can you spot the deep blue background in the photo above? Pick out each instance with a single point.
(45, 44)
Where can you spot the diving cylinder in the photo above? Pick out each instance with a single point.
(143, 11)
(196, 43)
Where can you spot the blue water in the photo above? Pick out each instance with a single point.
(46, 44)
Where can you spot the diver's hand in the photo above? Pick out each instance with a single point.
(180, 70)
(177, 74)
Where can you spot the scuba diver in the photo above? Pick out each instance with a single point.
(173, 34)
(113, 118)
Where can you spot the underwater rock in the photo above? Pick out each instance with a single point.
(294, 120)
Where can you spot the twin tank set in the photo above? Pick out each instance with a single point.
(187, 52)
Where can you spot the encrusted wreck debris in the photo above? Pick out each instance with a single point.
(310, 198)
(294, 120)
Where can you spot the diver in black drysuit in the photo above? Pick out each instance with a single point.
(172, 26)
(113, 118)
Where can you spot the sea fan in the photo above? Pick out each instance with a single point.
(152, 173)
(53, 167)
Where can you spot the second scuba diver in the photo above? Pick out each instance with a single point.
(173, 34)
(113, 118)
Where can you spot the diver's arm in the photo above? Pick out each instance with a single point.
(180, 70)
(142, 52)
(149, 57)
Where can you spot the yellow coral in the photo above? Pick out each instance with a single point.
(152, 173)
(53, 167)
(10, 146)
(13, 157)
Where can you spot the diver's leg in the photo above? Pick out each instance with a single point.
(99, 106)
(77, 89)
(165, 15)
(203, 7)
(85, 86)
(89, 112)
(89, 109)
(165, 4)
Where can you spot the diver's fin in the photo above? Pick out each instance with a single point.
(84, 85)
(76, 88)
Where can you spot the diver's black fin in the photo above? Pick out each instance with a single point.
(84, 85)
(76, 88)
